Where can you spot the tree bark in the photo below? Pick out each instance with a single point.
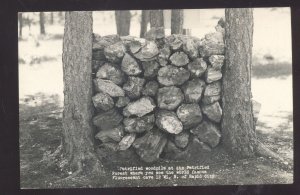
(42, 23)
(20, 24)
(156, 18)
(123, 22)
(238, 123)
(78, 108)
(144, 22)
(177, 21)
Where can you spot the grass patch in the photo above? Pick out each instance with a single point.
(272, 70)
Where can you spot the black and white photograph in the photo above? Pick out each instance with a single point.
(152, 98)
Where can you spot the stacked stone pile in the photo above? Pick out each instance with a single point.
(159, 96)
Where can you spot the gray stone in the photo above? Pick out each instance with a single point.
(170, 75)
(165, 52)
(179, 59)
(210, 99)
(148, 52)
(150, 146)
(150, 68)
(99, 43)
(193, 90)
(137, 44)
(208, 133)
(169, 97)
(213, 44)
(139, 124)
(189, 114)
(109, 135)
(197, 67)
(115, 52)
(122, 102)
(182, 139)
(174, 42)
(133, 87)
(190, 48)
(130, 66)
(150, 88)
(108, 119)
(212, 75)
(216, 61)
(172, 152)
(103, 101)
(168, 122)
(108, 87)
(112, 73)
(140, 107)
(213, 111)
(213, 89)
(127, 141)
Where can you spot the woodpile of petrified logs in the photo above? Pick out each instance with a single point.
(160, 96)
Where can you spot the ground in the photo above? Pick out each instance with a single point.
(41, 101)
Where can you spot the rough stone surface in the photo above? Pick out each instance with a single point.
(171, 75)
(174, 42)
(112, 73)
(212, 75)
(127, 141)
(168, 122)
(179, 59)
(150, 68)
(133, 87)
(137, 44)
(108, 135)
(148, 52)
(216, 61)
(213, 111)
(99, 43)
(193, 90)
(108, 119)
(165, 52)
(130, 66)
(140, 107)
(122, 102)
(208, 133)
(150, 88)
(139, 124)
(115, 52)
(210, 99)
(103, 101)
(190, 48)
(213, 44)
(182, 139)
(108, 87)
(213, 89)
(169, 97)
(150, 146)
(197, 67)
(189, 114)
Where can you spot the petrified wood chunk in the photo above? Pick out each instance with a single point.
(150, 68)
(213, 44)
(103, 101)
(216, 61)
(171, 75)
(111, 72)
(179, 59)
(127, 141)
(109, 87)
(150, 146)
(189, 114)
(174, 42)
(213, 89)
(139, 124)
(197, 67)
(122, 102)
(168, 121)
(150, 88)
(108, 120)
(182, 139)
(108, 135)
(213, 111)
(99, 43)
(193, 90)
(114, 52)
(169, 97)
(130, 66)
(148, 52)
(140, 107)
(212, 75)
(190, 48)
(133, 87)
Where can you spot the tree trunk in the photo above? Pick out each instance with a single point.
(144, 22)
(42, 23)
(78, 108)
(123, 22)
(51, 18)
(20, 24)
(156, 18)
(177, 21)
(238, 124)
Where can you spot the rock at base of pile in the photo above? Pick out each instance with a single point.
(108, 120)
(140, 107)
(182, 139)
(127, 141)
(139, 124)
(108, 135)
(168, 122)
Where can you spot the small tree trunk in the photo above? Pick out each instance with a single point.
(51, 18)
(177, 21)
(78, 108)
(156, 18)
(42, 23)
(144, 22)
(20, 24)
(237, 123)
(123, 22)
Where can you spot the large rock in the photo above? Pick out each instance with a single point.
(213, 111)
(108, 119)
(168, 122)
(212, 91)
(150, 68)
(171, 75)
(190, 48)
(212, 75)
(208, 133)
(139, 124)
(169, 97)
(115, 52)
(164, 55)
(182, 139)
(109, 135)
(197, 67)
(122, 102)
(179, 59)
(150, 88)
(148, 52)
(112, 73)
(99, 43)
(189, 114)
(174, 42)
(196, 150)
(193, 90)
(150, 146)
(103, 101)
(108, 87)
(216, 61)
(130, 66)
(127, 141)
(140, 107)
(213, 44)
(133, 87)
(136, 45)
